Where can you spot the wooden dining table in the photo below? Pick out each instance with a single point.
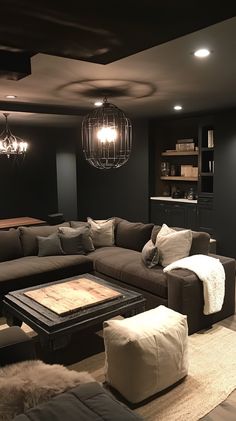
(22, 220)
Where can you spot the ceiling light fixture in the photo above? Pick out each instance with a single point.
(178, 107)
(106, 137)
(10, 96)
(9, 143)
(202, 52)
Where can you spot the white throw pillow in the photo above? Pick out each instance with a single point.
(102, 232)
(173, 245)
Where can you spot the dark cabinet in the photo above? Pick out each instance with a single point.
(174, 214)
(205, 215)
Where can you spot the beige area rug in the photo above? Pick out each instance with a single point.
(212, 377)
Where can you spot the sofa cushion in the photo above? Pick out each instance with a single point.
(82, 230)
(132, 235)
(150, 254)
(102, 232)
(34, 270)
(28, 236)
(50, 245)
(87, 402)
(173, 245)
(126, 266)
(10, 245)
(200, 242)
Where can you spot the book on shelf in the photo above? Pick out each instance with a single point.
(185, 146)
(185, 140)
(170, 150)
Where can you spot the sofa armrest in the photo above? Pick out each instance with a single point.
(185, 295)
(15, 346)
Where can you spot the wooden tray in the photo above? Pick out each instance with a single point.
(70, 296)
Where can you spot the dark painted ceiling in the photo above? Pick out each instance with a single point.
(139, 53)
(102, 31)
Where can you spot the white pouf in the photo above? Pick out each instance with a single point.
(146, 353)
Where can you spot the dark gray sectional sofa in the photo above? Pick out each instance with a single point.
(121, 264)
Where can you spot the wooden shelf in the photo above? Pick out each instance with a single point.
(179, 153)
(179, 178)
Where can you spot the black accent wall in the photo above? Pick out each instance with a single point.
(29, 185)
(225, 183)
(120, 192)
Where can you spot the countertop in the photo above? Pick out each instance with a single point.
(169, 199)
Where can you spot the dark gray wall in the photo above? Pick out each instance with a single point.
(44, 182)
(120, 192)
(225, 183)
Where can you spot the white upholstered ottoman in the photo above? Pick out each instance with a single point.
(146, 353)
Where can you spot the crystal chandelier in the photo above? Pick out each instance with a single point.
(9, 143)
(106, 137)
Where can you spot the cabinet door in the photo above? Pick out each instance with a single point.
(191, 216)
(176, 215)
(206, 215)
(159, 214)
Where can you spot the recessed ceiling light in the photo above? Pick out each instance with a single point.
(202, 52)
(178, 107)
(98, 103)
(10, 96)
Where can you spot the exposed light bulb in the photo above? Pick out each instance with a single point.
(98, 103)
(10, 96)
(178, 107)
(107, 134)
(202, 52)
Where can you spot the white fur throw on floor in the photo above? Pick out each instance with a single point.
(24, 385)
(211, 272)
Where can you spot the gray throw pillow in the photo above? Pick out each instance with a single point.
(150, 254)
(49, 246)
(83, 230)
(72, 244)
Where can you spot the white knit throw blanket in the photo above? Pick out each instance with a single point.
(211, 272)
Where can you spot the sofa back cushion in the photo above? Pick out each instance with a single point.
(10, 245)
(28, 236)
(132, 235)
(200, 240)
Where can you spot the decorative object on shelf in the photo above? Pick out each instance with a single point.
(172, 170)
(190, 194)
(189, 171)
(106, 137)
(9, 143)
(210, 138)
(185, 145)
(165, 169)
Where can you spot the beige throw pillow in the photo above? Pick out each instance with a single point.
(173, 245)
(102, 232)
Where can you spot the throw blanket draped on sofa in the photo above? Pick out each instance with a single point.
(211, 272)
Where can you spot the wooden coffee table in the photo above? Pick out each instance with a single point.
(56, 316)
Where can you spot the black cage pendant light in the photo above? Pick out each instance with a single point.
(107, 137)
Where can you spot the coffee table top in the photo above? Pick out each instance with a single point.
(45, 321)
